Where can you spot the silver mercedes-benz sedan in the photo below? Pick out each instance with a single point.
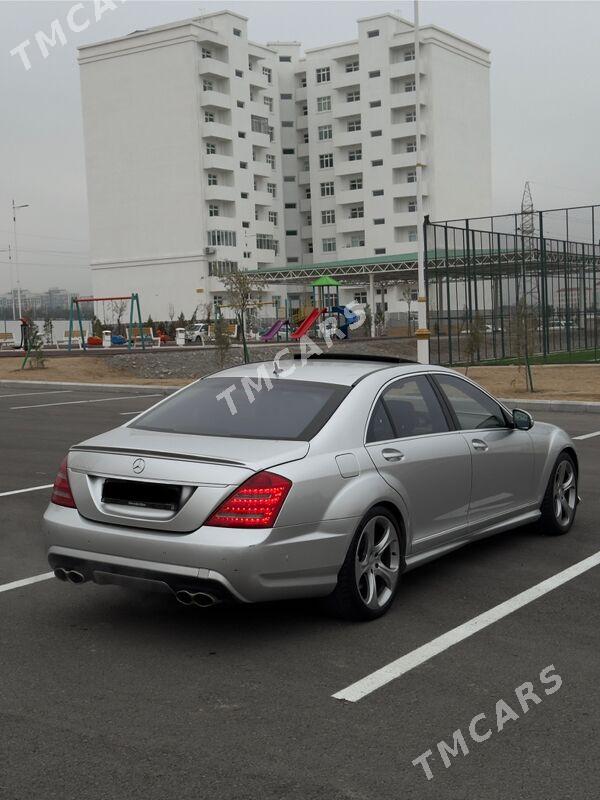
(329, 477)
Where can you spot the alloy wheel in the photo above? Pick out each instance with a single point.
(565, 493)
(377, 562)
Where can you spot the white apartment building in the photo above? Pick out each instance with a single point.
(208, 153)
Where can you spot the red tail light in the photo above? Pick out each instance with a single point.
(255, 504)
(61, 493)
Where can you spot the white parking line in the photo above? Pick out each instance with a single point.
(26, 581)
(78, 402)
(395, 669)
(130, 413)
(31, 394)
(31, 489)
(587, 435)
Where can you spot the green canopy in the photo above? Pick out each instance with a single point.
(325, 280)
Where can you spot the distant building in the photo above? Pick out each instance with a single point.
(208, 153)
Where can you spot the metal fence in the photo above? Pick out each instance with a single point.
(499, 294)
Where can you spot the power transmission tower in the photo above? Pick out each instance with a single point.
(527, 213)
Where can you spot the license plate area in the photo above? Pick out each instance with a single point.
(142, 494)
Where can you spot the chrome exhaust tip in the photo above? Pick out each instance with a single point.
(200, 599)
(184, 597)
(61, 574)
(75, 577)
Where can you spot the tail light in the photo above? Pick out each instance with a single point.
(255, 504)
(61, 493)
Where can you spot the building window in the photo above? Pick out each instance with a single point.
(323, 75)
(268, 74)
(357, 212)
(272, 216)
(328, 217)
(289, 178)
(247, 254)
(352, 66)
(240, 103)
(325, 160)
(270, 159)
(211, 148)
(268, 101)
(379, 221)
(375, 133)
(212, 179)
(356, 183)
(237, 32)
(245, 224)
(207, 85)
(309, 246)
(325, 132)
(377, 192)
(377, 163)
(288, 151)
(372, 34)
(290, 205)
(411, 116)
(206, 53)
(225, 238)
(307, 192)
(409, 86)
(291, 233)
(411, 176)
(375, 73)
(358, 240)
(285, 58)
(241, 134)
(285, 96)
(355, 155)
(361, 297)
(329, 245)
(375, 104)
(412, 205)
(219, 268)
(409, 55)
(272, 189)
(353, 97)
(209, 116)
(213, 210)
(309, 218)
(305, 137)
(264, 241)
(239, 73)
(244, 195)
(302, 82)
(259, 124)
(324, 103)
(287, 124)
(354, 125)
(243, 165)
(411, 147)
(327, 189)
(412, 236)
(380, 251)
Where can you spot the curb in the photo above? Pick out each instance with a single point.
(552, 405)
(107, 387)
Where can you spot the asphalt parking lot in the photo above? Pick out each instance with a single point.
(109, 695)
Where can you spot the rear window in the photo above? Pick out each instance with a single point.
(235, 407)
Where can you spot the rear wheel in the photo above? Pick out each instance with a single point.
(369, 577)
(560, 501)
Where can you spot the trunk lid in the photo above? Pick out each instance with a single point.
(165, 481)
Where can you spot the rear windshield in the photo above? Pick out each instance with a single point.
(294, 410)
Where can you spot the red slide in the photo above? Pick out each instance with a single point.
(307, 323)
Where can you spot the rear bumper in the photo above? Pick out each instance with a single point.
(249, 566)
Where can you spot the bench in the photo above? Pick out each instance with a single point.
(231, 331)
(7, 340)
(75, 340)
(147, 334)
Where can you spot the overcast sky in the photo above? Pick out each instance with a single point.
(545, 95)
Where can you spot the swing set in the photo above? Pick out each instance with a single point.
(134, 306)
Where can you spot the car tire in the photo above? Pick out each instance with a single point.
(370, 575)
(559, 505)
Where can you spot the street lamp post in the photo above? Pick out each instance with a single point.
(10, 275)
(14, 210)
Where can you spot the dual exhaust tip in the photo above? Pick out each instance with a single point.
(200, 599)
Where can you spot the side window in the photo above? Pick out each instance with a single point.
(473, 408)
(411, 408)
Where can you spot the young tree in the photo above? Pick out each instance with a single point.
(241, 289)
(475, 339)
(523, 334)
(35, 354)
(221, 341)
(406, 294)
(48, 334)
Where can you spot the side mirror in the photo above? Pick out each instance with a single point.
(522, 420)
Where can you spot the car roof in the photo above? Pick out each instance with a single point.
(344, 371)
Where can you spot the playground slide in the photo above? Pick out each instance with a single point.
(307, 323)
(273, 330)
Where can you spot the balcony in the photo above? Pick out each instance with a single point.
(347, 138)
(349, 252)
(262, 198)
(262, 168)
(350, 225)
(346, 167)
(218, 161)
(256, 78)
(306, 232)
(303, 150)
(216, 130)
(408, 189)
(302, 122)
(405, 219)
(305, 204)
(258, 109)
(347, 196)
(304, 177)
(403, 69)
(399, 160)
(300, 94)
(212, 66)
(404, 99)
(263, 226)
(226, 193)
(345, 79)
(215, 99)
(259, 139)
(341, 109)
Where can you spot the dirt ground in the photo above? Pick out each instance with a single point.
(564, 382)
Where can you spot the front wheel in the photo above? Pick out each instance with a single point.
(560, 501)
(369, 577)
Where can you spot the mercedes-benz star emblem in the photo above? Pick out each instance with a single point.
(139, 465)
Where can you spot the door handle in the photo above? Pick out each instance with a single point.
(392, 455)
(479, 444)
